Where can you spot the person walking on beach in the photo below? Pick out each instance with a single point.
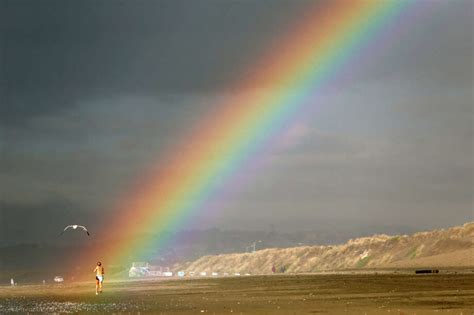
(99, 277)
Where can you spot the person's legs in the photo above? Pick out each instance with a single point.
(97, 284)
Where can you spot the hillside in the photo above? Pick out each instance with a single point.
(451, 247)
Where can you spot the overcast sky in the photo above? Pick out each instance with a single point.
(92, 93)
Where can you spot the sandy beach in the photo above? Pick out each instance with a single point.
(287, 294)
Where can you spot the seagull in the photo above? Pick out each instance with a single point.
(75, 226)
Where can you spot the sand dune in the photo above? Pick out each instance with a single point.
(451, 247)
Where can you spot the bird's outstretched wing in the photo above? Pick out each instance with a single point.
(85, 229)
(67, 227)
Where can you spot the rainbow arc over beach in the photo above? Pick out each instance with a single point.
(309, 55)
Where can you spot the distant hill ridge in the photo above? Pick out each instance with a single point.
(451, 247)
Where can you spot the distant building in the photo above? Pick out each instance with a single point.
(58, 279)
(139, 269)
(144, 269)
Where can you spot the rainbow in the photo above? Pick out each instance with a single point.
(306, 58)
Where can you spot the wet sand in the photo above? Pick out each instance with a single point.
(285, 294)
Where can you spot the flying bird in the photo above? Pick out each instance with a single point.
(75, 226)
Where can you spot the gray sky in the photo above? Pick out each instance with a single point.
(93, 93)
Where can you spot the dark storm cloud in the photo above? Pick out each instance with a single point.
(57, 53)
